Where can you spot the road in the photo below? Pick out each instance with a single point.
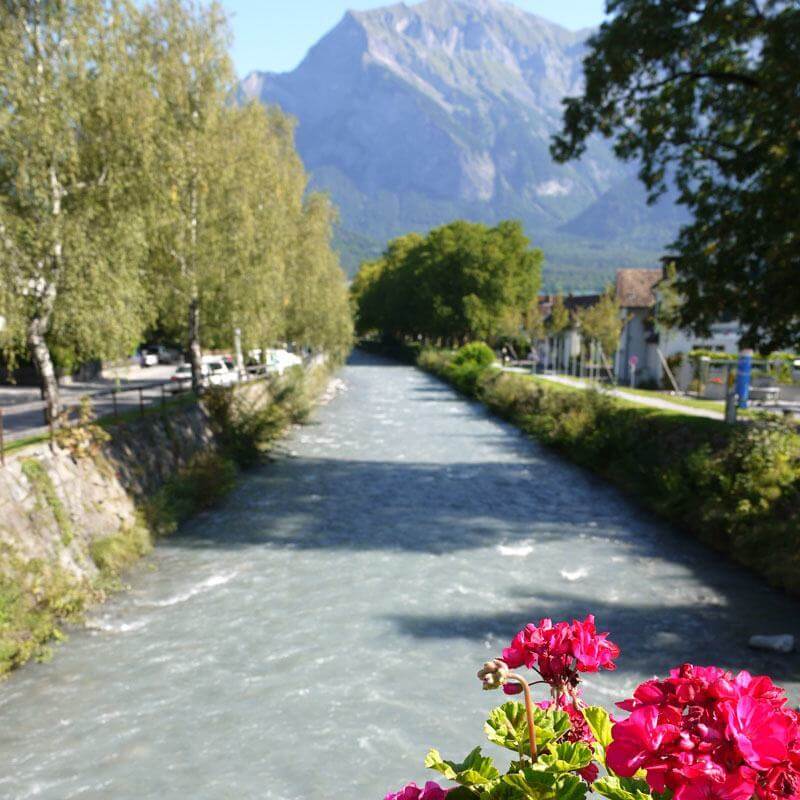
(22, 406)
(312, 637)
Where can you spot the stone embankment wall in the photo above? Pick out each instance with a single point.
(55, 506)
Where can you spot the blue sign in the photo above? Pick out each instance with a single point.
(743, 373)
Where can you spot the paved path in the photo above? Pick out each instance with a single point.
(315, 635)
(652, 402)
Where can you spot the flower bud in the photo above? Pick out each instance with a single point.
(494, 674)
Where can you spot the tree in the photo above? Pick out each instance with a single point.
(462, 281)
(559, 320)
(603, 322)
(192, 79)
(318, 307)
(74, 117)
(706, 94)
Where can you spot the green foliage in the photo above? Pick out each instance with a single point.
(202, 484)
(461, 281)
(47, 498)
(603, 321)
(534, 784)
(737, 488)
(135, 196)
(247, 421)
(474, 770)
(705, 95)
(507, 726)
(615, 788)
(465, 368)
(600, 725)
(35, 598)
(478, 353)
(113, 554)
(559, 319)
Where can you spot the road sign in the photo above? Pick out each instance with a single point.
(633, 361)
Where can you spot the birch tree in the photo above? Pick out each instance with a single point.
(73, 118)
(193, 79)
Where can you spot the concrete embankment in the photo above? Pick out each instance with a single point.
(71, 517)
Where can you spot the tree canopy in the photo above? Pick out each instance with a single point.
(461, 281)
(705, 93)
(136, 195)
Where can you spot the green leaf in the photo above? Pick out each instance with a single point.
(615, 788)
(507, 726)
(499, 791)
(599, 723)
(475, 770)
(533, 784)
(464, 793)
(571, 787)
(565, 757)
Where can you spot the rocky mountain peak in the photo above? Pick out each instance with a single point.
(413, 114)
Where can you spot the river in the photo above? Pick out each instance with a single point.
(315, 635)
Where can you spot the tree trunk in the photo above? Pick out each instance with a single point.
(237, 344)
(195, 351)
(40, 353)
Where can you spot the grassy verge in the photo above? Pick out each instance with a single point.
(735, 487)
(38, 597)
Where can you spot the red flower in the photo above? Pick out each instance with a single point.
(707, 735)
(559, 652)
(411, 791)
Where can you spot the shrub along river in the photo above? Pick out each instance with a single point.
(314, 636)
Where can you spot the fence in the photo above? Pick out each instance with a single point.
(103, 404)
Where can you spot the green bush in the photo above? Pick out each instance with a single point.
(735, 487)
(247, 422)
(466, 367)
(478, 353)
(202, 484)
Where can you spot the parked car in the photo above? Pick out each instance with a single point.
(148, 357)
(181, 379)
(219, 374)
(155, 354)
(278, 361)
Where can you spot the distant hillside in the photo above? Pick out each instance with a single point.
(411, 116)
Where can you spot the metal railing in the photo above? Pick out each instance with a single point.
(106, 404)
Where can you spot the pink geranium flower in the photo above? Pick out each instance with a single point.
(558, 652)
(431, 791)
(707, 735)
(761, 733)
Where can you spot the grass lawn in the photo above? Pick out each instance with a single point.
(678, 400)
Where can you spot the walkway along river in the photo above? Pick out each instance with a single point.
(312, 638)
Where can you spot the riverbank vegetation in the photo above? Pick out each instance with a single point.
(138, 197)
(738, 255)
(38, 596)
(461, 281)
(737, 488)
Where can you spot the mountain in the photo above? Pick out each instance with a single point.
(411, 116)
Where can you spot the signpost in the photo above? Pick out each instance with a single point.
(743, 374)
(633, 362)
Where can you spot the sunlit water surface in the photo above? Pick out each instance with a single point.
(314, 636)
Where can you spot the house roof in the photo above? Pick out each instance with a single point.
(571, 302)
(636, 287)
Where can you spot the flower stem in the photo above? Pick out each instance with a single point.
(528, 711)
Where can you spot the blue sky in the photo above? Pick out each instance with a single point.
(274, 35)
